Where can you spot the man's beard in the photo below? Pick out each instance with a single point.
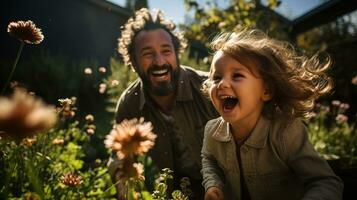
(162, 88)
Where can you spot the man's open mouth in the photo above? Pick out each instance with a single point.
(161, 72)
(229, 102)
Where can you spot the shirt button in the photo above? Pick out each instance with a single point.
(181, 82)
(136, 93)
(249, 179)
(244, 149)
(163, 133)
(165, 153)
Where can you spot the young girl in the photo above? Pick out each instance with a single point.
(259, 147)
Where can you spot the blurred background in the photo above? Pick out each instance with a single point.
(81, 40)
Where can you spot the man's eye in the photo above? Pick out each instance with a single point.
(147, 54)
(166, 52)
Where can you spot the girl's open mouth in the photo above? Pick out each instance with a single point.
(229, 103)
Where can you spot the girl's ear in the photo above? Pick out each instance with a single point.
(267, 94)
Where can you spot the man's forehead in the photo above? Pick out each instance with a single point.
(147, 38)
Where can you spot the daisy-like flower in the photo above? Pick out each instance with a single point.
(22, 115)
(67, 109)
(25, 31)
(89, 118)
(354, 80)
(130, 137)
(90, 131)
(71, 179)
(130, 170)
(102, 88)
(102, 70)
(88, 71)
(341, 118)
(114, 83)
(29, 141)
(58, 141)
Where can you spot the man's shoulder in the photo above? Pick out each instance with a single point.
(130, 97)
(194, 74)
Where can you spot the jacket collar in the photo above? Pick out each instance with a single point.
(184, 91)
(257, 138)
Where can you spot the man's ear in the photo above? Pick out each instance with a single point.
(134, 65)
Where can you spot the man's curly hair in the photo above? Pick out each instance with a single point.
(295, 80)
(144, 20)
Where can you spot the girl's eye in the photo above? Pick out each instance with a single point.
(237, 76)
(216, 78)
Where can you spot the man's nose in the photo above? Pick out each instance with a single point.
(159, 59)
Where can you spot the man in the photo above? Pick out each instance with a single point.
(166, 94)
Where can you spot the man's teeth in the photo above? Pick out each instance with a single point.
(160, 72)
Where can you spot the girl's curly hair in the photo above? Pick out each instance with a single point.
(295, 80)
(144, 20)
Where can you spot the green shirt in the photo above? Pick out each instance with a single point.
(179, 135)
(277, 162)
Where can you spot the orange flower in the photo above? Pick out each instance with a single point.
(130, 170)
(71, 179)
(23, 114)
(29, 141)
(58, 141)
(130, 137)
(25, 31)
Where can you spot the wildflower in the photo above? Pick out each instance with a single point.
(25, 31)
(89, 118)
(58, 141)
(31, 196)
(102, 70)
(114, 83)
(341, 118)
(29, 141)
(354, 80)
(130, 170)
(88, 71)
(102, 88)
(345, 106)
(336, 103)
(71, 179)
(67, 110)
(131, 137)
(14, 84)
(22, 115)
(90, 131)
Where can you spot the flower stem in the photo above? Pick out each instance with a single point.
(13, 68)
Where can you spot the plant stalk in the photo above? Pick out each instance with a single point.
(13, 67)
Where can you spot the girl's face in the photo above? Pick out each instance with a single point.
(237, 94)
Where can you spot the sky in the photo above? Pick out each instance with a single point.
(174, 9)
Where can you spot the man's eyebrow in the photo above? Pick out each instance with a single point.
(145, 48)
(150, 48)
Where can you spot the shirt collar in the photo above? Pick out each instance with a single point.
(257, 138)
(184, 91)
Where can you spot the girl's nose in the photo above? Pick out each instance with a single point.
(223, 84)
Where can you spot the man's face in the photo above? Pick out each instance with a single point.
(156, 61)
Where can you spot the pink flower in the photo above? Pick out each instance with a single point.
(354, 80)
(341, 118)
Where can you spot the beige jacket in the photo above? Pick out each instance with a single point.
(278, 162)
